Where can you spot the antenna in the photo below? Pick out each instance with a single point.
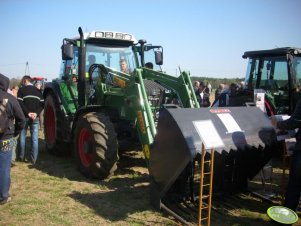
(180, 69)
(27, 69)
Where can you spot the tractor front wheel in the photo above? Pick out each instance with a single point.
(95, 145)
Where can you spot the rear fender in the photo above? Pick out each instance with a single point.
(53, 88)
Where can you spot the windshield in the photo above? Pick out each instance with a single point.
(271, 74)
(267, 73)
(115, 57)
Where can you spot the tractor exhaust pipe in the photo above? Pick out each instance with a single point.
(81, 70)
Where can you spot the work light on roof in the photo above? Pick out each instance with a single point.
(127, 37)
(109, 34)
(99, 34)
(113, 35)
(119, 35)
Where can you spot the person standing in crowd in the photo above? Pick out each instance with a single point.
(241, 85)
(209, 87)
(292, 194)
(203, 95)
(14, 91)
(196, 86)
(38, 84)
(31, 101)
(15, 123)
(219, 90)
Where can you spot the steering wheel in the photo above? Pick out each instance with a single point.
(100, 69)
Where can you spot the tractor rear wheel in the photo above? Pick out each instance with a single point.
(53, 127)
(95, 145)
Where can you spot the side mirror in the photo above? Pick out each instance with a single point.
(159, 57)
(67, 51)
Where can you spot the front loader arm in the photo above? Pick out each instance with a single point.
(181, 85)
(145, 120)
(145, 123)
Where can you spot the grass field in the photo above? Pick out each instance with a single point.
(55, 193)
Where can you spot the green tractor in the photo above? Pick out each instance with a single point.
(276, 73)
(98, 108)
(112, 95)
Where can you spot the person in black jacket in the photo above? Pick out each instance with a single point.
(31, 101)
(16, 122)
(292, 194)
(203, 95)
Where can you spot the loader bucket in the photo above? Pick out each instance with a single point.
(241, 137)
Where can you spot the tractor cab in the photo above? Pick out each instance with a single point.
(100, 61)
(277, 74)
(117, 51)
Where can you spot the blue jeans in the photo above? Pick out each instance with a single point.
(34, 131)
(5, 161)
(293, 189)
(15, 144)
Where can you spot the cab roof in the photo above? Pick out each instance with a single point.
(273, 52)
(109, 37)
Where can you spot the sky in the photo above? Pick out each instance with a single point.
(205, 38)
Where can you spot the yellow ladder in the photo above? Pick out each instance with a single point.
(208, 196)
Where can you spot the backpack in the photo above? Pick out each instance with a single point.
(4, 120)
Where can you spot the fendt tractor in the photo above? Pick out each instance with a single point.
(94, 106)
(112, 95)
(277, 73)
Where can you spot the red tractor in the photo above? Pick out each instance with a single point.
(39, 80)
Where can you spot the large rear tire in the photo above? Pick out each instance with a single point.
(53, 127)
(95, 145)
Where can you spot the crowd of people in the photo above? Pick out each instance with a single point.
(21, 110)
(203, 91)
